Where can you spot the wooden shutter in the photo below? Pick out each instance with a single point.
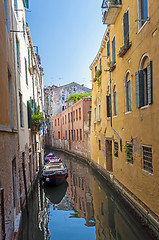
(29, 114)
(108, 104)
(113, 52)
(139, 80)
(126, 27)
(26, 3)
(129, 95)
(149, 82)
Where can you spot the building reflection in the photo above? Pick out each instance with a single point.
(112, 221)
(80, 192)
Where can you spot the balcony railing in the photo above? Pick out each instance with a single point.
(111, 9)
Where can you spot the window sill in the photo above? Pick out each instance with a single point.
(140, 29)
(130, 164)
(128, 112)
(115, 116)
(108, 118)
(99, 120)
(116, 157)
(147, 173)
(145, 107)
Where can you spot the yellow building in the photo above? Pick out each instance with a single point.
(125, 102)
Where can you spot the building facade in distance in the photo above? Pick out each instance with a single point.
(72, 128)
(55, 103)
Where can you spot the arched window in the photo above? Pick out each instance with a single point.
(114, 101)
(143, 79)
(128, 102)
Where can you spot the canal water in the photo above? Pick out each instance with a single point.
(83, 208)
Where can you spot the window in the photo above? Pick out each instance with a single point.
(10, 93)
(58, 134)
(126, 27)
(28, 58)
(65, 119)
(113, 52)
(81, 134)
(114, 101)
(68, 117)
(21, 110)
(108, 97)
(15, 5)
(76, 114)
(108, 49)
(95, 114)
(95, 69)
(129, 152)
(6, 14)
(99, 144)
(147, 159)
(63, 97)
(143, 79)
(79, 113)
(128, 104)
(74, 135)
(115, 148)
(63, 108)
(26, 71)
(100, 64)
(65, 134)
(23, 29)
(55, 122)
(69, 134)
(73, 115)
(58, 122)
(143, 11)
(77, 134)
(99, 112)
(18, 54)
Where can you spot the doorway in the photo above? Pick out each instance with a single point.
(108, 146)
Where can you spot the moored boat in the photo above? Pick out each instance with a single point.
(54, 171)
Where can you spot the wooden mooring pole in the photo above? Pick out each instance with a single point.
(2, 212)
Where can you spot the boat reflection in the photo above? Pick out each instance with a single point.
(55, 194)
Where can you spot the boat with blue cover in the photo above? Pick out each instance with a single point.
(54, 171)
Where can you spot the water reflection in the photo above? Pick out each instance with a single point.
(82, 208)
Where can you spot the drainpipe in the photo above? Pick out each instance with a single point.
(109, 70)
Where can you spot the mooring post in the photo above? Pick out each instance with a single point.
(2, 213)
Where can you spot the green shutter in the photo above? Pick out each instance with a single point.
(26, 3)
(29, 113)
(129, 95)
(139, 80)
(149, 82)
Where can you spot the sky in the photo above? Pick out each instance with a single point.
(68, 34)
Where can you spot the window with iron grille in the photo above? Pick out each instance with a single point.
(129, 152)
(147, 159)
(115, 148)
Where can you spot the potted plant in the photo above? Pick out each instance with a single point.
(97, 74)
(37, 119)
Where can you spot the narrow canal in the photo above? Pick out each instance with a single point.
(84, 207)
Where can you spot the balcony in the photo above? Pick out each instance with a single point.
(111, 10)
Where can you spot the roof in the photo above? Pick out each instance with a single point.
(101, 47)
(71, 84)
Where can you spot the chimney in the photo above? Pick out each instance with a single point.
(82, 85)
